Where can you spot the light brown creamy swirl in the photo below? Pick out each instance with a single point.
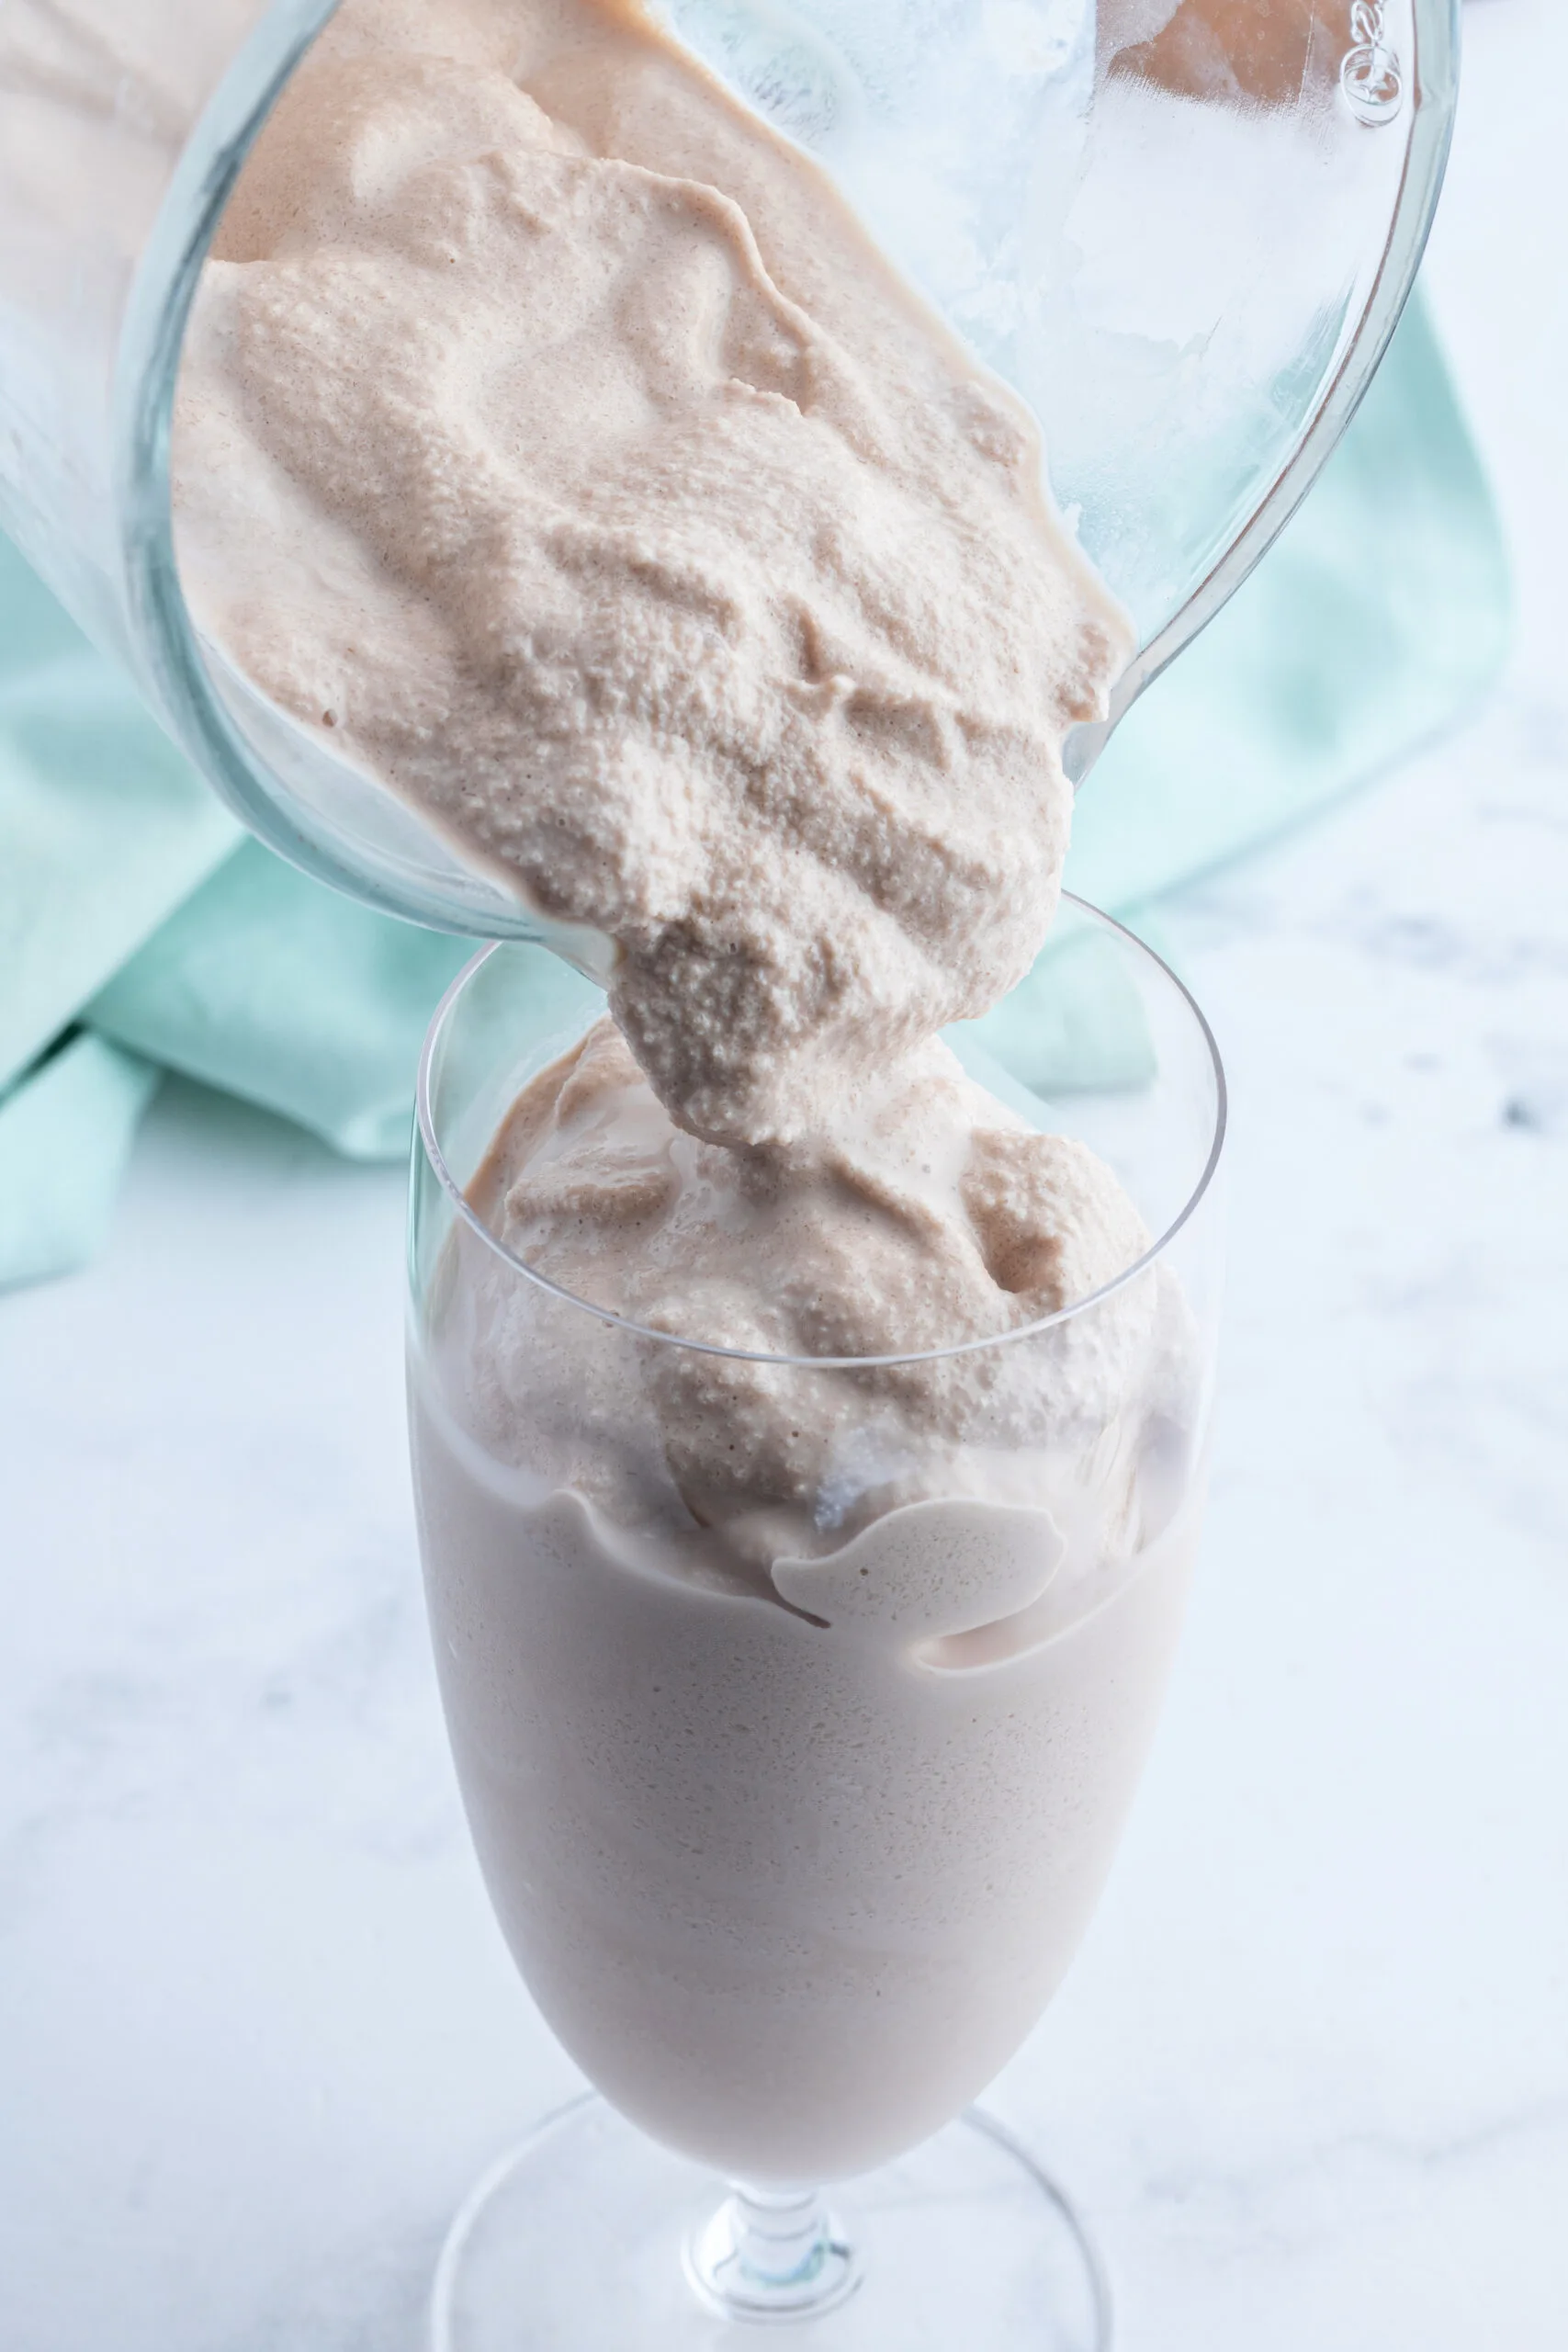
(603, 492)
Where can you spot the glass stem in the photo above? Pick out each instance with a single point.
(771, 2254)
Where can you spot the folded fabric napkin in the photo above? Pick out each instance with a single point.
(277, 989)
(132, 917)
(64, 1139)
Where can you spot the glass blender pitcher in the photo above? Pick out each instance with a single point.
(1183, 230)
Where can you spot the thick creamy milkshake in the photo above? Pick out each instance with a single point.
(797, 1710)
(790, 1887)
(553, 442)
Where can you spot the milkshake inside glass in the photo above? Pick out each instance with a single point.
(794, 1790)
(807, 1410)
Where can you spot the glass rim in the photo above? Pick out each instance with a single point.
(435, 1158)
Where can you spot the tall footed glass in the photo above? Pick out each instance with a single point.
(795, 1784)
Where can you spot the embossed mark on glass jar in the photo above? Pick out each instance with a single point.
(1369, 72)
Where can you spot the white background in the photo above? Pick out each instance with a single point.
(1309, 2077)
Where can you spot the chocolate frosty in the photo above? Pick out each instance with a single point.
(601, 490)
(551, 438)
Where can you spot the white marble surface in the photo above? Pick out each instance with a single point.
(1310, 2077)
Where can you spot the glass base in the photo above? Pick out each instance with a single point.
(590, 2238)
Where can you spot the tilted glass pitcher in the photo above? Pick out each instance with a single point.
(1182, 228)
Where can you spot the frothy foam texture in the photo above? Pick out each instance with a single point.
(553, 443)
(935, 1218)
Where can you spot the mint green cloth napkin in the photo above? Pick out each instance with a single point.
(273, 987)
(103, 826)
(1379, 617)
(64, 1139)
